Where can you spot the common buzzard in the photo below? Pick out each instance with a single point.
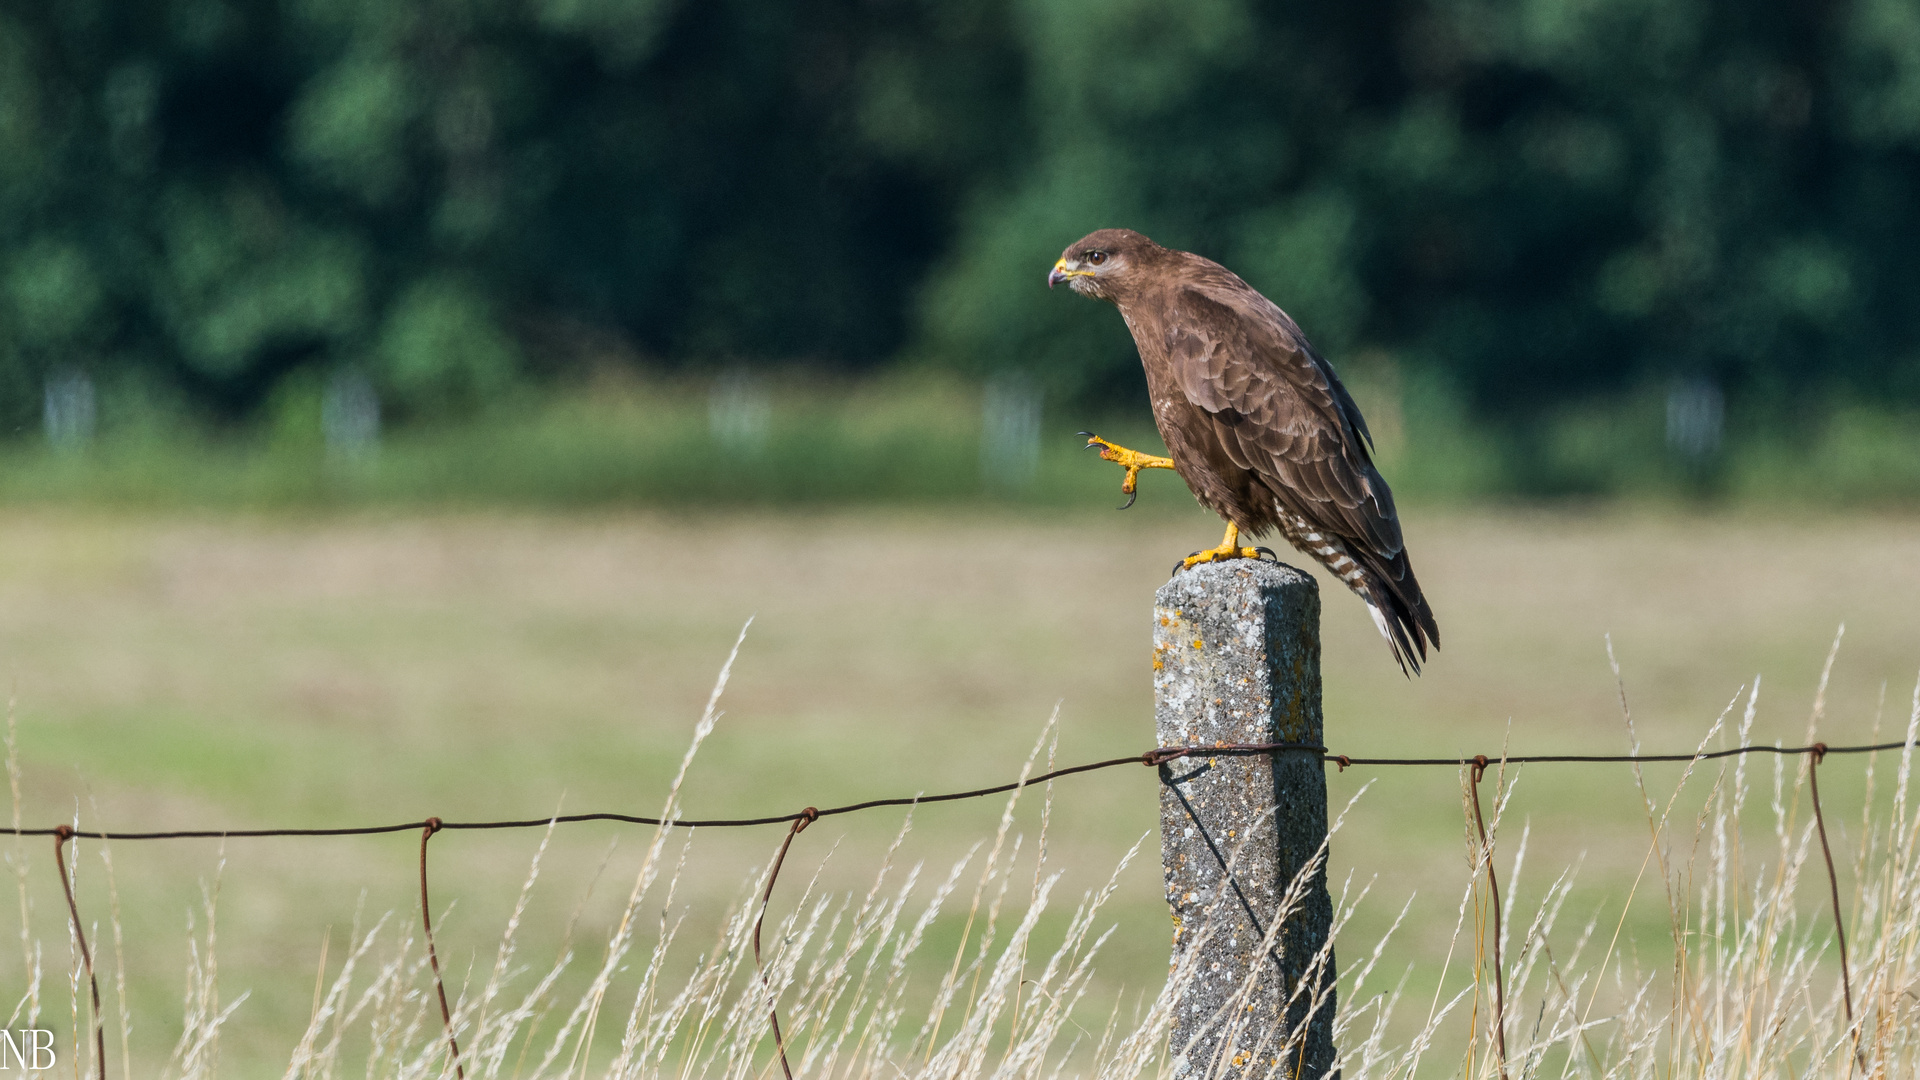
(1257, 423)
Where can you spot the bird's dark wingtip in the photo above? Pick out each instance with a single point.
(1404, 656)
(1408, 630)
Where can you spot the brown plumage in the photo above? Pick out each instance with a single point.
(1256, 421)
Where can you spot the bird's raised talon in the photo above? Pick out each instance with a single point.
(1131, 460)
(1268, 552)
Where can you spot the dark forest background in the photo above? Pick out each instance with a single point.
(1519, 206)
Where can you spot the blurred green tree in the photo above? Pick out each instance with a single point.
(1540, 200)
(1528, 201)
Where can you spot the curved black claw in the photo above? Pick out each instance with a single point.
(1131, 495)
(1268, 552)
(1089, 436)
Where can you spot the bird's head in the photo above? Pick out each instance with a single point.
(1103, 264)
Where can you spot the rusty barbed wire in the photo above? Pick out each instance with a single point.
(1151, 758)
(1157, 758)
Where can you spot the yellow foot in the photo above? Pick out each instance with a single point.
(1229, 549)
(1131, 460)
(1218, 554)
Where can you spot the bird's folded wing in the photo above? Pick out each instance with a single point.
(1281, 413)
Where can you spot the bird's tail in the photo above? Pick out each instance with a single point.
(1400, 610)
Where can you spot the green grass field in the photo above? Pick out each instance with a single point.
(914, 438)
(195, 668)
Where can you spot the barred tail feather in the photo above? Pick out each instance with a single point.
(1401, 612)
(1380, 575)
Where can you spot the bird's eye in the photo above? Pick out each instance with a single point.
(1096, 257)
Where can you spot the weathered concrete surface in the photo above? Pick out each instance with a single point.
(1236, 658)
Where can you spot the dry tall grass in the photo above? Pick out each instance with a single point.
(1748, 983)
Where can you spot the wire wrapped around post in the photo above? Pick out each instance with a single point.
(1300, 747)
(1151, 758)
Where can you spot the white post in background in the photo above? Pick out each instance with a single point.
(67, 411)
(1696, 418)
(739, 412)
(350, 415)
(1010, 433)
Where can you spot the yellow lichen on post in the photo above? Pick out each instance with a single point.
(1237, 661)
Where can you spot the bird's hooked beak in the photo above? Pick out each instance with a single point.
(1062, 271)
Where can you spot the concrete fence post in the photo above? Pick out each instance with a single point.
(1236, 658)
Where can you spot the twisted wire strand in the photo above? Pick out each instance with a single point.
(1152, 759)
(1157, 758)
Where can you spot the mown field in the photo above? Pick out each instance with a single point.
(193, 669)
